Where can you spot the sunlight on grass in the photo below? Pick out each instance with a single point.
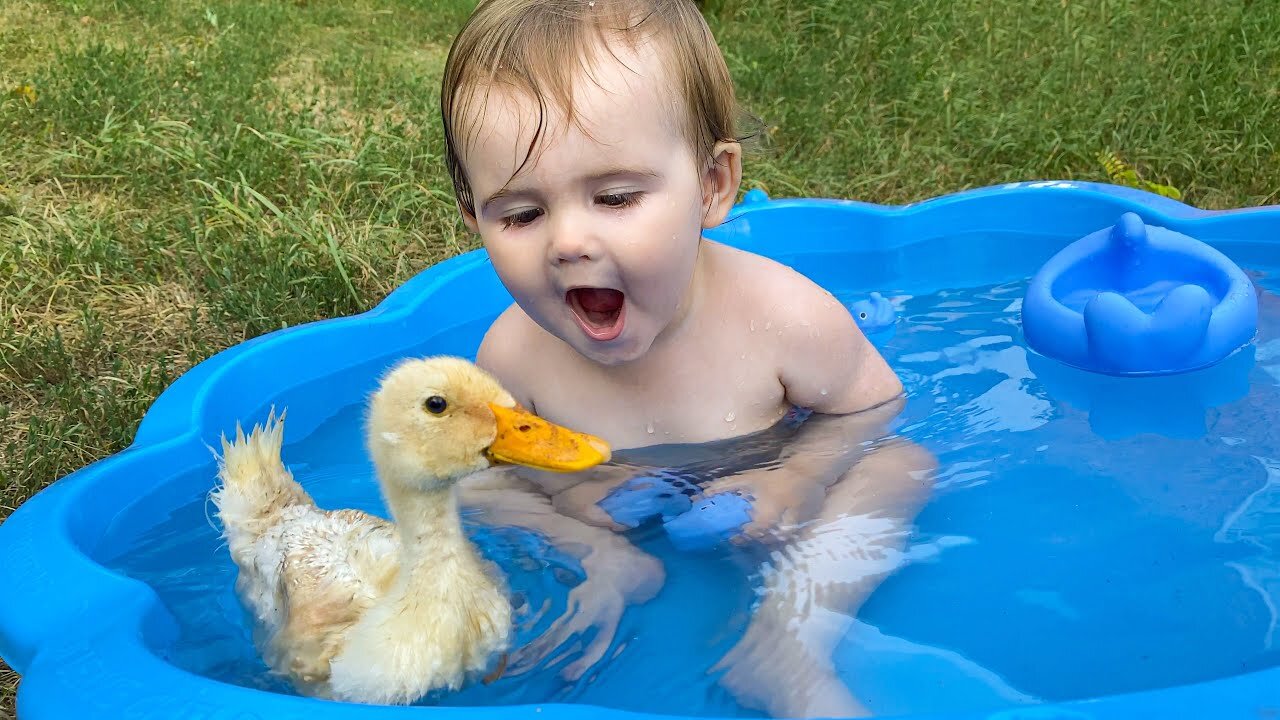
(180, 176)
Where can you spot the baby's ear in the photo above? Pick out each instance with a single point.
(468, 218)
(720, 182)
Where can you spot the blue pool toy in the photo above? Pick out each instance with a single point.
(709, 521)
(657, 494)
(692, 520)
(874, 314)
(754, 196)
(1137, 299)
(91, 640)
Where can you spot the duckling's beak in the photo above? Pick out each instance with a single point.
(526, 439)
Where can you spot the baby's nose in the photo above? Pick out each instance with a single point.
(572, 244)
(569, 253)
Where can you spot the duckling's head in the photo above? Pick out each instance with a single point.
(433, 421)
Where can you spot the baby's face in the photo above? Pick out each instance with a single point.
(597, 237)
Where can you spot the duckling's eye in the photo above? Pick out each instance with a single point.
(435, 405)
(863, 315)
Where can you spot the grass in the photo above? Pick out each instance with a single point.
(179, 176)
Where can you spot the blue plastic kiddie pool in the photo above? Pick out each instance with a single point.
(1096, 545)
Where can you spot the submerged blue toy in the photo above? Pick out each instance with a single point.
(874, 314)
(709, 521)
(691, 520)
(1135, 299)
(640, 498)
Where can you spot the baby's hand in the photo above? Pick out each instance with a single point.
(582, 502)
(612, 583)
(779, 499)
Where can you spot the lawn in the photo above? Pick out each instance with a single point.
(179, 176)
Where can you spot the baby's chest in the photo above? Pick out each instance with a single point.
(695, 404)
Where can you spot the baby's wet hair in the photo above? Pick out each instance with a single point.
(541, 47)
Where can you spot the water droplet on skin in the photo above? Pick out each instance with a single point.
(768, 325)
(753, 326)
(649, 428)
(823, 391)
(730, 417)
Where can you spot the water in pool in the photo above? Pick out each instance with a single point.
(1082, 536)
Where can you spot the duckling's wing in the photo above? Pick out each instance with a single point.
(323, 569)
(346, 553)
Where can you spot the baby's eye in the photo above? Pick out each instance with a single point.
(619, 200)
(522, 218)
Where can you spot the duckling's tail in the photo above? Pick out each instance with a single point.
(254, 485)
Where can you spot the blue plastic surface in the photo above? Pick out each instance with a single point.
(692, 520)
(664, 495)
(709, 521)
(874, 314)
(1138, 299)
(90, 642)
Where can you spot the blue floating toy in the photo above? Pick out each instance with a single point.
(754, 196)
(874, 314)
(709, 521)
(640, 498)
(692, 520)
(1134, 299)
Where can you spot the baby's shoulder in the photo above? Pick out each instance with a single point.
(823, 360)
(773, 286)
(508, 345)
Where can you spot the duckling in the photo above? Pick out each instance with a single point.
(353, 607)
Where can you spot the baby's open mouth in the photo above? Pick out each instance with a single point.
(600, 312)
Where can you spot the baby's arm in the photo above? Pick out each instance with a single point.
(824, 449)
(862, 500)
(827, 365)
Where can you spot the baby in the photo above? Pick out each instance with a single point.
(590, 143)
